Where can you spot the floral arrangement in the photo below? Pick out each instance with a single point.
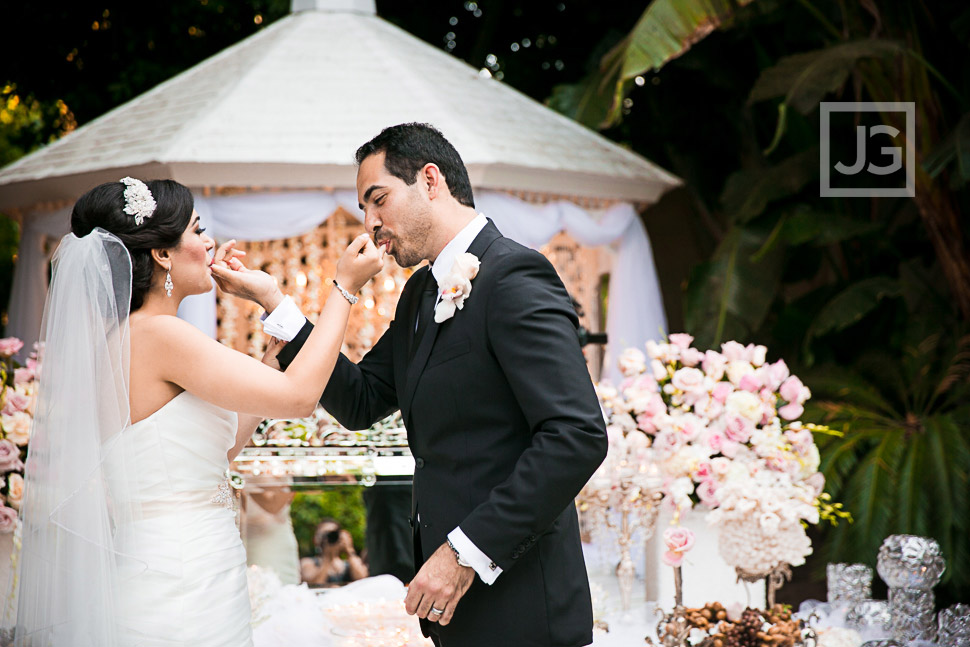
(723, 428)
(678, 541)
(18, 391)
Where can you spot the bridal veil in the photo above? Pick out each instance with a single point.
(77, 468)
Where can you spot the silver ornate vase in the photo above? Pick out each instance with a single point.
(870, 616)
(911, 566)
(848, 583)
(954, 628)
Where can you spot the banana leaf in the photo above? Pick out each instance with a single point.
(848, 307)
(730, 296)
(804, 79)
(665, 30)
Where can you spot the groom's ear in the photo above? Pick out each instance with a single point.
(432, 180)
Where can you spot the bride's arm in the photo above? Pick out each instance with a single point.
(248, 423)
(231, 380)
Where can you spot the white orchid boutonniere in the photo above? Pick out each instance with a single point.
(456, 286)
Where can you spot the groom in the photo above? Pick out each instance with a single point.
(502, 418)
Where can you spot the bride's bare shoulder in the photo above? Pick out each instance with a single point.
(163, 330)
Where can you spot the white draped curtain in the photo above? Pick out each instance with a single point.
(635, 313)
(39, 236)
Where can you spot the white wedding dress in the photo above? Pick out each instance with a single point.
(185, 583)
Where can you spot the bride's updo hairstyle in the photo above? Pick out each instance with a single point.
(104, 206)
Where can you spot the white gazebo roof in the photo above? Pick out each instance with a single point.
(288, 106)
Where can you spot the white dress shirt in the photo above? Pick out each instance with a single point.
(286, 321)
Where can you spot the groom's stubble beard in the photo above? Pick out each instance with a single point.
(411, 241)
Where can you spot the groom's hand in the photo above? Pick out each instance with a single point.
(440, 583)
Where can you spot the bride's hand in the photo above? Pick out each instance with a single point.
(360, 262)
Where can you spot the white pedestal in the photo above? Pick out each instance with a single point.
(706, 576)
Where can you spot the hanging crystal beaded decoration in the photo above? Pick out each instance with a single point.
(169, 286)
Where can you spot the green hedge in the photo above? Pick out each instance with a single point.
(345, 504)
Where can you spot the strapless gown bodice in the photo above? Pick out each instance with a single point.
(183, 576)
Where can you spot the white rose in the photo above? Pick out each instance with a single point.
(15, 492)
(659, 370)
(737, 370)
(713, 365)
(632, 362)
(745, 404)
(690, 380)
(625, 421)
(758, 355)
(17, 427)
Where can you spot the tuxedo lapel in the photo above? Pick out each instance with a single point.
(421, 281)
(485, 237)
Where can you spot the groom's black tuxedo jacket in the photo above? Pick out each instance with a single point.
(505, 429)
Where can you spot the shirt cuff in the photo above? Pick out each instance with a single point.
(285, 322)
(483, 565)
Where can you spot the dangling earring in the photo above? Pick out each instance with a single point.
(168, 283)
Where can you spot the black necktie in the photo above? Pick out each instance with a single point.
(425, 310)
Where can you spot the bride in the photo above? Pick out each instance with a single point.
(129, 536)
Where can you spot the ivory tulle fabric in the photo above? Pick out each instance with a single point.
(191, 589)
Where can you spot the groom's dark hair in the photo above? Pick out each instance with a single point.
(408, 147)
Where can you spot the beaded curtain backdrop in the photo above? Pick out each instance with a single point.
(303, 264)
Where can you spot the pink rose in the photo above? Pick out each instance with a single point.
(791, 389)
(738, 428)
(817, 482)
(714, 365)
(708, 407)
(15, 402)
(756, 354)
(10, 346)
(9, 456)
(690, 380)
(691, 357)
(730, 448)
(645, 423)
(791, 411)
(716, 442)
(681, 340)
(668, 441)
(750, 382)
(721, 391)
(720, 466)
(655, 405)
(707, 492)
(8, 519)
(632, 362)
(23, 375)
(777, 373)
(703, 471)
(645, 383)
(678, 541)
(734, 352)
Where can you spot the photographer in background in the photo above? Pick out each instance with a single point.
(328, 568)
